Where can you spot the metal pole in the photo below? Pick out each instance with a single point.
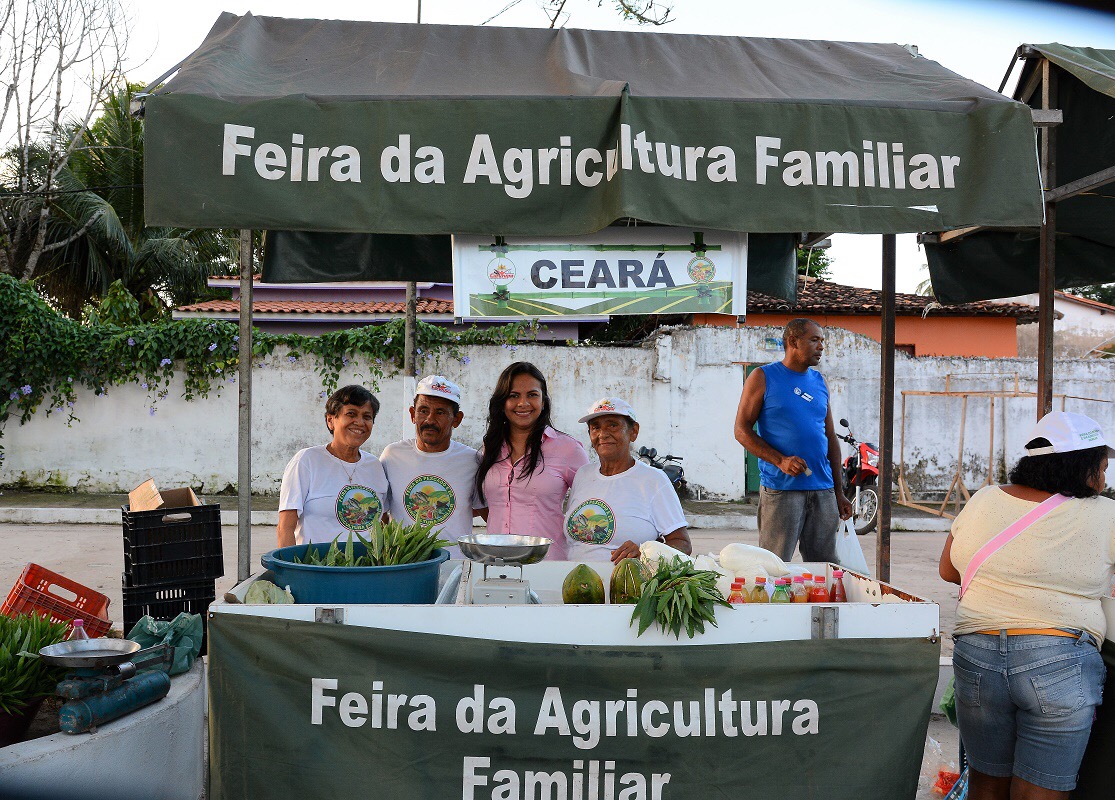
(1047, 248)
(886, 410)
(244, 418)
(410, 350)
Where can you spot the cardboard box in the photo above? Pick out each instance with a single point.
(147, 497)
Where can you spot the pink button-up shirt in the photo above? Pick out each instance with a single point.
(531, 506)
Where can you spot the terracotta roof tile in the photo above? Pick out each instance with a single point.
(320, 307)
(824, 297)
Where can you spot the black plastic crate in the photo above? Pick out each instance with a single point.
(167, 601)
(172, 545)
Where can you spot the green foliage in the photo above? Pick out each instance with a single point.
(97, 234)
(121, 308)
(814, 262)
(23, 675)
(679, 597)
(45, 355)
(1103, 293)
(388, 544)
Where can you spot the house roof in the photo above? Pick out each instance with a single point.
(1086, 301)
(318, 307)
(824, 297)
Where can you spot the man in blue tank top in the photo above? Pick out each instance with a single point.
(784, 419)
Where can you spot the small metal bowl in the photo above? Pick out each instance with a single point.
(494, 549)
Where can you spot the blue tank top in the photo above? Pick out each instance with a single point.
(792, 421)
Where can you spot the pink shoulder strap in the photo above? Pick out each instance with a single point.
(1007, 534)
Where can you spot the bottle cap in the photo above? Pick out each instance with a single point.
(79, 623)
(807, 575)
(760, 580)
(799, 579)
(838, 573)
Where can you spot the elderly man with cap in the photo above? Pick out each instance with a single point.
(432, 477)
(618, 504)
(1033, 559)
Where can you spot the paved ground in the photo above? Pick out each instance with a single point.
(93, 556)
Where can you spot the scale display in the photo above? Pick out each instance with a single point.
(629, 270)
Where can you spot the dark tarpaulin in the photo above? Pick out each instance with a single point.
(307, 257)
(708, 132)
(991, 264)
(872, 696)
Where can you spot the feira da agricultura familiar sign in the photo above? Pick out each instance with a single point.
(294, 705)
(619, 270)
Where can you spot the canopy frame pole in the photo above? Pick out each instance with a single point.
(244, 414)
(410, 345)
(1047, 249)
(886, 409)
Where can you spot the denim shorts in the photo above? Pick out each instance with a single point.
(1025, 704)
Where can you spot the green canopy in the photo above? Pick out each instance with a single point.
(992, 264)
(432, 129)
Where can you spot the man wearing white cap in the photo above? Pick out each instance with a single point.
(432, 477)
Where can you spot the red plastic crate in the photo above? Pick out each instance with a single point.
(40, 591)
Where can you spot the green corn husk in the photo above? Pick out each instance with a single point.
(387, 544)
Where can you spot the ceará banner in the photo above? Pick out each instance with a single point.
(619, 270)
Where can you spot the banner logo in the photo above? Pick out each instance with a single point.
(592, 523)
(429, 500)
(358, 508)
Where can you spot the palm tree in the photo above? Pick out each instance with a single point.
(98, 216)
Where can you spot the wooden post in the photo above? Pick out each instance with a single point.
(410, 346)
(1047, 247)
(886, 410)
(244, 415)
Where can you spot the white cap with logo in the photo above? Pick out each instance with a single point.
(609, 405)
(1067, 432)
(439, 386)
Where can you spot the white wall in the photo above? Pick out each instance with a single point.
(1081, 327)
(684, 387)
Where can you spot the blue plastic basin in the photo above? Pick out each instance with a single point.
(405, 583)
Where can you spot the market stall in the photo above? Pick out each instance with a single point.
(344, 126)
(474, 700)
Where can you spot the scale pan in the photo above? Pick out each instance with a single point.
(88, 653)
(490, 548)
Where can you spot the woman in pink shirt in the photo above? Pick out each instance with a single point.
(526, 466)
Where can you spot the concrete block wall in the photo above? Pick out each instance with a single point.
(684, 385)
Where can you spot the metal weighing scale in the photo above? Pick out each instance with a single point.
(503, 554)
(101, 684)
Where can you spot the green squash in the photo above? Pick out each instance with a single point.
(627, 581)
(582, 585)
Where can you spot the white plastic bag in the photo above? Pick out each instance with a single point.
(848, 552)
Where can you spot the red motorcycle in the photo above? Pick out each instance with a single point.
(859, 478)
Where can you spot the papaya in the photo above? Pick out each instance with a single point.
(627, 581)
(582, 585)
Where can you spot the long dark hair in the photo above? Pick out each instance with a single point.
(1064, 473)
(498, 432)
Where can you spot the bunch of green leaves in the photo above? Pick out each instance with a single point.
(388, 544)
(24, 676)
(679, 597)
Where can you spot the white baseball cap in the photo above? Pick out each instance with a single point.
(1066, 433)
(439, 386)
(609, 405)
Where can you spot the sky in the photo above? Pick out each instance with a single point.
(975, 38)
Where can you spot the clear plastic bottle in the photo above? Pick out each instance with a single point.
(837, 594)
(819, 593)
(781, 592)
(798, 591)
(77, 632)
(738, 594)
(759, 593)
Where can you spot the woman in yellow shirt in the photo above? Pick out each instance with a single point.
(1027, 665)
